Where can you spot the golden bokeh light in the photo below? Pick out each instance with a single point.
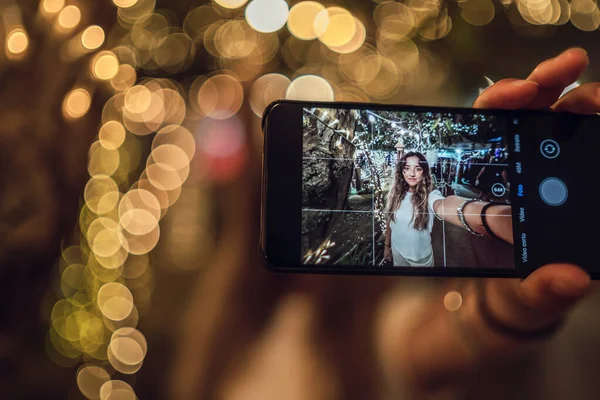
(76, 103)
(477, 12)
(385, 83)
(90, 379)
(125, 3)
(267, 15)
(139, 244)
(220, 97)
(403, 53)
(335, 26)
(117, 390)
(166, 177)
(301, 19)
(69, 17)
(452, 301)
(235, 39)
(198, 20)
(355, 42)
(105, 65)
(174, 52)
(112, 135)
(164, 197)
(396, 21)
(136, 266)
(437, 28)
(92, 37)
(585, 15)
(115, 301)
(265, 90)
(72, 279)
(52, 6)
(178, 136)
(140, 11)
(125, 355)
(231, 3)
(96, 191)
(138, 99)
(102, 161)
(17, 42)
(124, 79)
(351, 93)
(310, 87)
(131, 321)
(139, 212)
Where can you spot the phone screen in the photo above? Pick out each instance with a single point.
(389, 188)
(382, 188)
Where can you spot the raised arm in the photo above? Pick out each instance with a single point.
(498, 216)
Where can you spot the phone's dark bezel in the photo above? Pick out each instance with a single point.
(280, 238)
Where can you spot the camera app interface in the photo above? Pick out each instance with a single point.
(405, 189)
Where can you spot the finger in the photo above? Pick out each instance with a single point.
(555, 74)
(541, 299)
(508, 94)
(584, 99)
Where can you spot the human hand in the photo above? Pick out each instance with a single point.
(387, 254)
(548, 293)
(447, 346)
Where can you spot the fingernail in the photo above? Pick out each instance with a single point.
(524, 83)
(569, 287)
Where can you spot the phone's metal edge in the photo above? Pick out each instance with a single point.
(374, 271)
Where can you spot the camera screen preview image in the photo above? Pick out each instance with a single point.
(405, 189)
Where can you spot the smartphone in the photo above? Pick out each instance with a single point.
(353, 188)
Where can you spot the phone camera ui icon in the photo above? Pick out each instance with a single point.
(550, 149)
(498, 189)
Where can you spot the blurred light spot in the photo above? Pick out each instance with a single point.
(125, 355)
(105, 65)
(585, 15)
(139, 211)
(310, 87)
(76, 103)
(72, 279)
(437, 28)
(166, 177)
(138, 99)
(231, 3)
(222, 148)
(139, 244)
(131, 321)
(124, 79)
(335, 26)
(115, 301)
(125, 3)
(403, 53)
(106, 243)
(127, 55)
(301, 19)
(452, 301)
(220, 97)
(396, 21)
(69, 17)
(178, 136)
(198, 20)
(266, 90)
(164, 197)
(356, 42)
(17, 42)
(117, 390)
(112, 135)
(139, 11)
(52, 6)
(96, 191)
(93, 37)
(350, 93)
(174, 53)
(102, 161)
(235, 39)
(267, 15)
(385, 83)
(90, 379)
(361, 66)
(477, 12)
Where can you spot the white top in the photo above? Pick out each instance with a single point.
(406, 240)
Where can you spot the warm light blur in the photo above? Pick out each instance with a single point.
(52, 6)
(355, 42)
(76, 103)
(17, 42)
(115, 301)
(117, 390)
(125, 3)
(335, 26)
(231, 3)
(267, 89)
(267, 15)
(310, 87)
(452, 301)
(92, 37)
(220, 97)
(477, 12)
(69, 17)
(124, 79)
(301, 19)
(90, 379)
(105, 65)
(102, 161)
(112, 135)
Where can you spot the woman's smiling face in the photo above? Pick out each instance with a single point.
(412, 172)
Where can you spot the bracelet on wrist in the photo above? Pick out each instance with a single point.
(463, 220)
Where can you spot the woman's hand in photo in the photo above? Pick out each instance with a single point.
(387, 253)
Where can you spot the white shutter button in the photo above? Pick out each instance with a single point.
(553, 191)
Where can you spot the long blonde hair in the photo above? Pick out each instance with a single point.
(420, 196)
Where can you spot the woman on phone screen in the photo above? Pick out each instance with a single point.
(412, 204)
